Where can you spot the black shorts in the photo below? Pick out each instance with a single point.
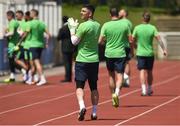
(128, 53)
(36, 52)
(86, 71)
(116, 64)
(145, 62)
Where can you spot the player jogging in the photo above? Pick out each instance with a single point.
(143, 35)
(12, 37)
(20, 59)
(123, 14)
(87, 60)
(34, 35)
(114, 33)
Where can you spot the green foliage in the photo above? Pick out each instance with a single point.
(114, 3)
(94, 2)
(102, 13)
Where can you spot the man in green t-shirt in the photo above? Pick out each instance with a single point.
(87, 60)
(115, 34)
(34, 41)
(123, 14)
(12, 37)
(143, 35)
(20, 58)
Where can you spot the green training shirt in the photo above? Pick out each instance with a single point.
(88, 32)
(35, 29)
(115, 33)
(27, 41)
(22, 27)
(127, 22)
(12, 27)
(42, 29)
(144, 34)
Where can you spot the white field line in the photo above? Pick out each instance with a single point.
(29, 90)
(104, 102)
(44, 101)
(26, 91)
(148, 111)
(48, 100)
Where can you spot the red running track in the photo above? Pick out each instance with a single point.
(56, 104)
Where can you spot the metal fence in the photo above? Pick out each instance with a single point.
(172, 43)
(50, 13)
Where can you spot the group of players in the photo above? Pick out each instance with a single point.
(26, 40)
(25, 37)
(120, 42)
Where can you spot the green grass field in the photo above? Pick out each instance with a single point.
(102, 13)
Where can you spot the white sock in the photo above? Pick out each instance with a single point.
(94, 109)
(117, 91)
(12, 75)
(143, 87)
(81, 104)
(126, 78)
(36, 78)
(42, 78)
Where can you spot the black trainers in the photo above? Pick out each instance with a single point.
(93, 116)
(125, 85)
(82, 114)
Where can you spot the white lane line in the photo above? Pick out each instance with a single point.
(148, 111)
(129, 93)
(37, 103)
(49, 100)
(44, 101)
(29, 90)
(89, 107)
(26, 91)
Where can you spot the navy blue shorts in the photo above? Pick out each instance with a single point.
(84, 71)
(116, 64)
(36, 53)
(145, 62)
(128, 53)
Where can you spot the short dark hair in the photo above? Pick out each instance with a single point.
(27, 13)
(20, 12)
(114, 12)
(90, 7)
(10, 13)
(146, 16)
(35, 11)
(64, 19)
